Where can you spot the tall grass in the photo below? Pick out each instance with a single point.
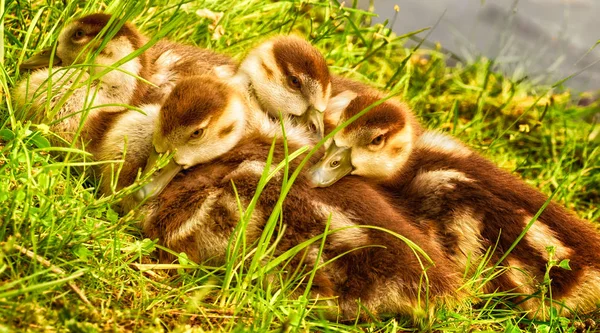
(57, 236)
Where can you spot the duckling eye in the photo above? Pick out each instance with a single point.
(294, 82)
(377, 141)
(78, 35)
(197, 133)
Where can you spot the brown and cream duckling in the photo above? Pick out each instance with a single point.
(138, 138)
(466, 202)
(111, 130)
(287, 74)
(200, 127)
(130, 136)
(197, 212)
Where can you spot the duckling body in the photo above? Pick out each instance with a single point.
(474, 205)
(197, 212)
(466, 203)
(125, 136)
(340, 84)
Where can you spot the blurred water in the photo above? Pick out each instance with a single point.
(544, 39)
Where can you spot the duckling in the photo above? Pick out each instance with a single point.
(199, 128)
(197, 210)
(76, 42)
(287, 74)
(162, 64)
(466, 202)
(129, 135)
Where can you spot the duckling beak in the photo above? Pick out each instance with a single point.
(40, 60)
(313, 119)
(160, 179)
(332, 167)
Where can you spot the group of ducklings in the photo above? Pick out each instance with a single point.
(383, 171)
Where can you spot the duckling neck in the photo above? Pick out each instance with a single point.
(260, 122)
(431, 151)
(403, 176)
(125, 83)
(254, 98)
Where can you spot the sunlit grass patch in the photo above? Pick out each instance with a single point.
(56, 232)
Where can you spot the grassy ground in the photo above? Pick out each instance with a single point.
(57, 237)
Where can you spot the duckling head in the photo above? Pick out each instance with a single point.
(82, 38)
(289, 75)
(202, 119)
(100, 41)
(377, 145)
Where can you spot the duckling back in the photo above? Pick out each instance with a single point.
(197, 214)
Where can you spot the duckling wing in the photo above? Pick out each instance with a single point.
(172, 61)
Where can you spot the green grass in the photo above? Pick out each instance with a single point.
(56, 233)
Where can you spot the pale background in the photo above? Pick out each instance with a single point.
(546, 39)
